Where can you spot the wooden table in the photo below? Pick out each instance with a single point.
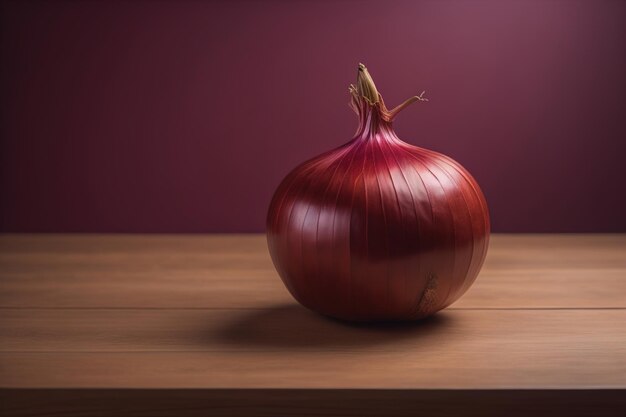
(195, 324)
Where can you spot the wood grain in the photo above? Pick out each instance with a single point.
(188, 325)
(290, 328)
(290, 347)
(235, 271)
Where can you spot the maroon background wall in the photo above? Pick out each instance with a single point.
(184, 116)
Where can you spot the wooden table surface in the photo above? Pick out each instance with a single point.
(194, 324)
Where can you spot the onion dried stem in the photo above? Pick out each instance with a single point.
(366, 89)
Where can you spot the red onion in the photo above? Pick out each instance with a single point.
(378, 229)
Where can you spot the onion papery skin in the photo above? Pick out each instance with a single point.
(378, 229)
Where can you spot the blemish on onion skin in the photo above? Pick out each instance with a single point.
(427, 300)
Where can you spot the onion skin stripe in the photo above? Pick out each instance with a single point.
(480, 198)
(322, 279)
(388, 212)
(333, 230)
(423, 283)
(448, 270)
(292, 179)
(470, 273)
(486, 227)
(446, 161)
(390, 150)
(418, 300)
(453, 297)
(377, 229)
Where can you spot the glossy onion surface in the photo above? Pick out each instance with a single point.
(378, 229)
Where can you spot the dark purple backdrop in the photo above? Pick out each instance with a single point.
(184, 116)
